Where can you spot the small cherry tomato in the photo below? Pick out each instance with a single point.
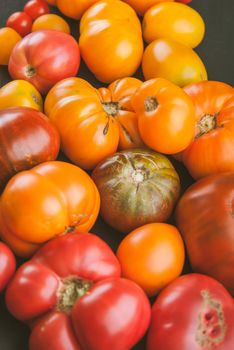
(36, 8)
(21, 22)
(8, 39)
(7, 265)
(51, 21)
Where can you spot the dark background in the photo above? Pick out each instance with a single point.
(216, 51)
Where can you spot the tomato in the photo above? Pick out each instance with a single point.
(171, 20)
(30, 61)
(194, 312)
(184, 1)
(111, 40)
(76, 291)
(204, 227)
(51, 2)
(212, 150)
(51, 21)
(165, 116)
(159, 61)
(20, 93)
(104, 117)
(36, 8)
(7, 265)
(136, 187)
(142, 6)
(51, 199)
(152, 256)
(27, 138)
(21, 22)
(8, 39)
(75, 8)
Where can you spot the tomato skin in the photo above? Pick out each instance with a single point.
(21, 22)
(8, 39)
(51, 2)
(51, 21)
(29, 59)
(184, 1)
(7, 265)
(194, 312)
(202, 227)
(36, 8)
(75, 8)
(142, 6)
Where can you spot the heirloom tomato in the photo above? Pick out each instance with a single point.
(195, 312)
(27, 138)
(111, 40)
(166, 116)
(141, 6)
(174, 21)
(51, 21)
(158, 253)
(51, 2)
(93, 123)
(21, 22)
(20, 93)
(8, 39)
(75, 8)
(205, 217)
(137, 187)
(45, 57)
(7, 265)
(173, 61)
(51, 199)
(36, 8)
(76, 292)
(212, 150)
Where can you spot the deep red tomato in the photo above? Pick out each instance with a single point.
(21, 22)
(195, 312)
(7, 265)
(75, 291)
(36, 8)
(45, 57)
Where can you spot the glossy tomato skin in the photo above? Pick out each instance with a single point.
(29, 59)
(27, 139)
(75, 8)
(194, 312)
(21, 22)
(142, 6)
(36, 8)
(7, 265)
(51, 21)
(8, 39)
(208, 234)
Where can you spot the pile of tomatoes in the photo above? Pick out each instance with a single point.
(69, 151)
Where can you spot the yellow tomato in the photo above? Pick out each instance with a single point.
(51, 21)
(174, 21)
(74, 8)
(20, 93)
(8, 39)
(173, 61)
(141, 6)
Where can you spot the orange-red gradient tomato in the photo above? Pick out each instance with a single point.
(8, 39)
(51, 21)
(152, 256)
(141, 6)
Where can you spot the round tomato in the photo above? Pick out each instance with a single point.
(51, 199)
(212, 150)
(20, 93)
(111, 40)
(152, 256)
(159, 61)
(30, 61)
(21, 22)
(165, 116)
(75, 8)
(137, 187)
(36, 8)
(51, 21)
(7, 265)
(141, 6)
(104, 117)
(194, 312)
(8, 39)
(164, 21)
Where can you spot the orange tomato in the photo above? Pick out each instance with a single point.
(93, 123)
(51, 21)
(166, 116)
(152, 256)
(49, 200)
(8, 39)
(173, 61)
(141, 6)
(111, 40)
(172, 20)
(20, 93)
(75, 8)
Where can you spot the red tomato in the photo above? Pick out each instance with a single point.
(7, 265)
(45, 57)
(36, 8)
(195, 312)
(21, 22)
(79, 276)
